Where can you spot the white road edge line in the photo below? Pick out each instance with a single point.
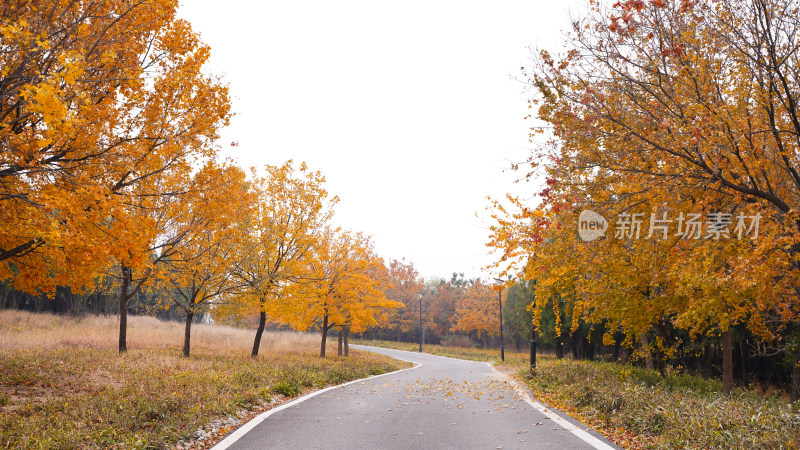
(565, 424)
(246, 428)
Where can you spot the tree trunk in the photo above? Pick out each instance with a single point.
(795, 394)
(559, 348)
(573, 346)
(648, 356)
(727, 362)
(346, 344)
(187, 334)
(262, 322)
(625, 355)
(123, 311)
(324, 335)
(340, 336)
(743, 351)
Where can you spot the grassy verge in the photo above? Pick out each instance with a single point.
(474, 354)
(639, 408)
(70, 390)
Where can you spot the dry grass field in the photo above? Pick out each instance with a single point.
(22, 329)
(64, 385)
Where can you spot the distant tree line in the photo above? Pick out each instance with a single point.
(464, 312)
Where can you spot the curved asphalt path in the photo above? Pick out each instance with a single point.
(441, 403)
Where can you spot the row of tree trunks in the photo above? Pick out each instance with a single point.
(344, 348)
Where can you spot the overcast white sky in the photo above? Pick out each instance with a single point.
(409, 108)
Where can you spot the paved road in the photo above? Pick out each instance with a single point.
(442, 403)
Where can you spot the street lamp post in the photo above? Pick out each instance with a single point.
(420, 321)
(500, 304)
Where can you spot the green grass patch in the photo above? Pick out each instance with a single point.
(289, 388)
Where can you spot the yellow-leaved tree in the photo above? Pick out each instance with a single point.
(97, 98)
(478, 312)
(405, 287)
(199, 269)
(671, 108)
(103, 103)
(292, 209)
(347, 290)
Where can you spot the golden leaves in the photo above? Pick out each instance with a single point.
(91, 138)
(478, 311)
(688, 117)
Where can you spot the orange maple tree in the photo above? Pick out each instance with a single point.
(478, 311)
(348, 289)
(290, 215)
(198, 270)
(404, 286)
(100, 99)
(669, 106)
